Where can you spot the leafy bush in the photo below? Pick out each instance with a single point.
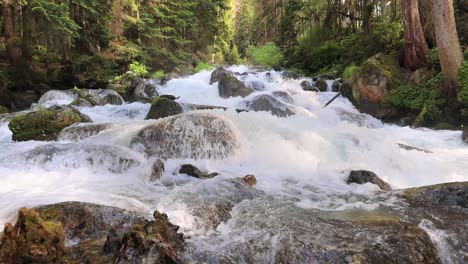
(203, 66)
(233, 56)
(316, 59)
(463, 79)
(268, 55)
(158, 74)
(139, 69)
(434, 59)
(424, 97)
(348, 72)
(388, 34)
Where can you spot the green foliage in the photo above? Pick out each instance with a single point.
(424, 96)
(388, 34)
(348, 72)
(233, 57)
(268, 55)
(434, 59)
(158, 74)
(139, 69)
(96, 69)
(463, 79)
(203, 66)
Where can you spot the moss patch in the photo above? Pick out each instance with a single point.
(44, 124)
(32, 240)
(163, 107)
(384, 64)
(3, 110)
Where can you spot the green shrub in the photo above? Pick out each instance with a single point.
(96, 68)
(233, 56)
(317, 59)
(139, 69)
(388, 34)
(203, 66)
(158, 74)
(434, 59)
(463, 79)
(423, 98)
(268, 55)
(348, 72)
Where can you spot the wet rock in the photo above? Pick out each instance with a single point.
(80, 102)
(336, 87)
(3, 110)
(145, 90)
(32, 240)
(406, 147)
(163, 107)
(370, 87)
(270, 104)
(308, 86)
(448, 194)
(81, 131)
(256, 85)
(157, 170)
(45, 124)
(219, 74)
(103, 234)
(195, 172)
(465, 135)
(57, 97)
(230, 86)
(419, 76)
(170, 97)
(322, 85)
(190, 135)
(361, 120)
(250, 180)
(283, 96)
(101, 96)
(362, 177)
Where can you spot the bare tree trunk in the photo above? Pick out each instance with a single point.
(9, 32)
(451, 57)
(415, 47)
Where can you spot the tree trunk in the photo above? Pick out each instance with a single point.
(415, 46)
(9, 32)
(451, 57)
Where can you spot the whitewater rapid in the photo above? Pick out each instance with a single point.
(305, 157)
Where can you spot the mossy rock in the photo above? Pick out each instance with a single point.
(3, 110)
(32, 240)
(163, 107)
(44, 124)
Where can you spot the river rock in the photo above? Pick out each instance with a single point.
(230, 86)
(145, 90)
(321, 84)
(308, 86)
(45, 124)
(102, 96)
(81, 131)
(250, 180)
(157, 170)
(465, 135)
(362, 177)
(283, 96)
(270, 104)
(162, 107)
(94, 234)
(195, 172)
(219, 74)
(336, 86)
(190, 135)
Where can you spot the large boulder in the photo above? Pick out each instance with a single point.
(362, 177)
(321, 84)
(230, 86)
(191, 135)
(101, 96)
(370, 86)
(94, 234)
(219, 74)
(45, 124)
(270, 104)
(162, 107)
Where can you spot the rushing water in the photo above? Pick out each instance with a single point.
(305, 158)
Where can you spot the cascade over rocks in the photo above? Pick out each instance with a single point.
(270, 104)
(230, 86)
(81, 131)
(162, 107)
(189, 135)
(370, 86)
(101, 96)
(309, 86)
(195, 172)
(103, 234)
(45, 124)
(219, 74)
(157, 170)
(362, 177)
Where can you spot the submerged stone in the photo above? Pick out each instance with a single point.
(195, 172)
(45, 124)
(270, 104)
(157, 170)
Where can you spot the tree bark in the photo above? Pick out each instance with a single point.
(450, 53)
(415, 47)
(9, 32)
